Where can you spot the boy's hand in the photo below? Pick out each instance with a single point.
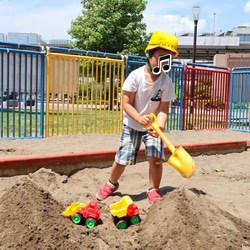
(144, 120)
(153, 133)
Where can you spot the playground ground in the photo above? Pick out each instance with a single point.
(210, 210)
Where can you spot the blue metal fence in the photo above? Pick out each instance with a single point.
(177, 75)
(21, 92)
(239, 111)
(22, 86)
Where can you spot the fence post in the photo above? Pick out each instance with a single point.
(184, 97)
(47, 94)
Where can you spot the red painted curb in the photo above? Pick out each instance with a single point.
(42, 161)
(215, 146)
(92, 156)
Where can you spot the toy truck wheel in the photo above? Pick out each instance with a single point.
(91, 222)
(77, 218)
(121, 224)
(134, 219)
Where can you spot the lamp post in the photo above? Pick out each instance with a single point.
(196, 12)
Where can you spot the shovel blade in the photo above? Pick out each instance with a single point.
(182, 162)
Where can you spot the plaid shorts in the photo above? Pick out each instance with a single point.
(130, 144)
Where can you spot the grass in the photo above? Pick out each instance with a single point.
(97, 121)
(20, 124)
(28, 124)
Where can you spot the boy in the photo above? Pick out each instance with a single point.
(146, 90)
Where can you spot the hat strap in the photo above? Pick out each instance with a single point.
(150, 68)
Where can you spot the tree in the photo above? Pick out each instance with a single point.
(113, 26)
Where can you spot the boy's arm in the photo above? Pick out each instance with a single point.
(162, 116)
(128, 101)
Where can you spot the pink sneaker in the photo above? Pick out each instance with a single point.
(106, 190)
(153, 195)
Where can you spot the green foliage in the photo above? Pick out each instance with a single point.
(4, 97)
(203, 92)
(203, 89)
(94, 91)
(113, 26)
(11, 97)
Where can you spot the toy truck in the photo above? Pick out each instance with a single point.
(124, 212)
(73, 208)
(89, 214)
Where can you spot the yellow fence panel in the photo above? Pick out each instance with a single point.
(83, 94)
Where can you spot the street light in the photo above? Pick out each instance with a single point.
(196, 13)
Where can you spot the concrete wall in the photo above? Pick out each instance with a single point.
(232, 60)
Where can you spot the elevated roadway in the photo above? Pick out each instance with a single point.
(206, 53)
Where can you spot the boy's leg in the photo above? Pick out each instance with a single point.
(155, 172)
(116, 172)
(112, 184)
(155, 154)
(126, 155)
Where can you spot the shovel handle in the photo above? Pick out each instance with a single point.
(154, 125)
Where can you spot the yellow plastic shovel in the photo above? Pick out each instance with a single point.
(180, 159)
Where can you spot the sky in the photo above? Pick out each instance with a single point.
(52, 18)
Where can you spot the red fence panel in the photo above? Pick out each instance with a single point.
(206, 97)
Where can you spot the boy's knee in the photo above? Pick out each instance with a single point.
(155, 162)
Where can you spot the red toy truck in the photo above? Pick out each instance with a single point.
(125, 211)
(88, 214)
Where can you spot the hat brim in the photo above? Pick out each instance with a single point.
(150, 47)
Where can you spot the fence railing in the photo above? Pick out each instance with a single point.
(206, 97)
(239, 114)
(22, 90)
(81, 92)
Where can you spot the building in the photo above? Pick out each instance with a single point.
(60, 41)
(236, 41)
(63, 43)
(243, 32)
(2, 37)
(33, 39)
(24, 38)
(232, 60)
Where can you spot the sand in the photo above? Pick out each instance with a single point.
(78, 143)
(210, 210)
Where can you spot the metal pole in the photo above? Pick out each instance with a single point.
(193, 75)
(214, 24)
(195, 36)
(214, 28)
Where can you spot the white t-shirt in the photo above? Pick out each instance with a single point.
(148, 95)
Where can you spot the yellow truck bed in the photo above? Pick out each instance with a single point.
(73, 208)
(119, 208)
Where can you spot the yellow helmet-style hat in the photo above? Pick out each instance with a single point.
(164, 41)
